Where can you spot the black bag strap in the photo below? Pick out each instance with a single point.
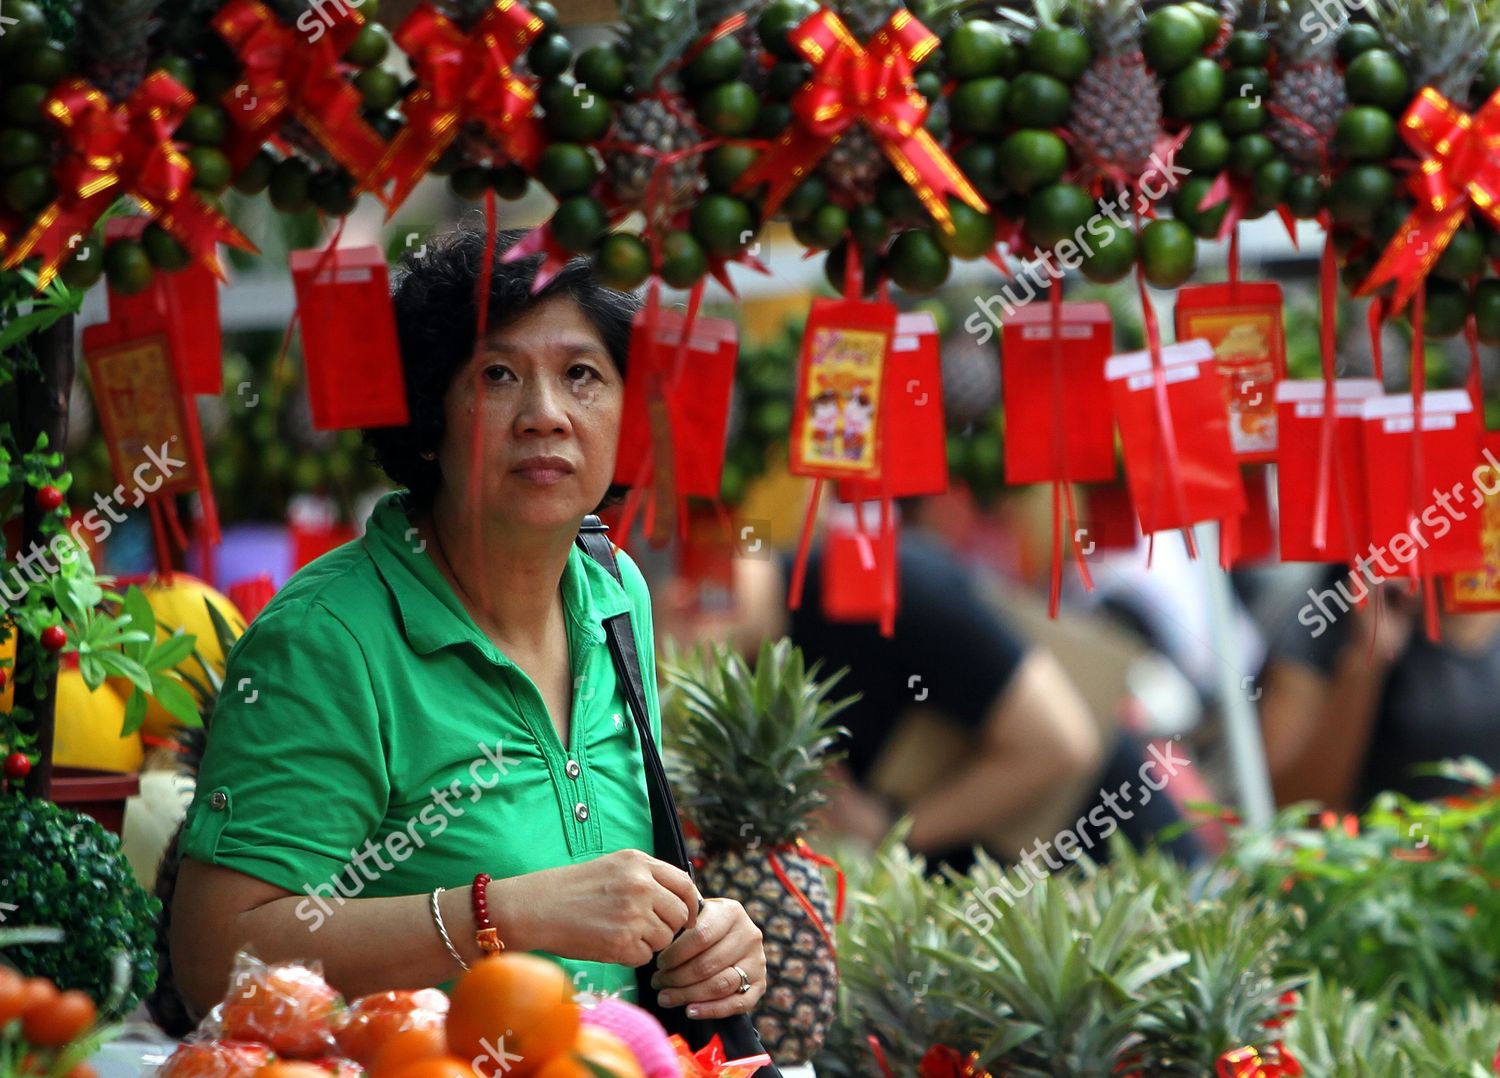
(671, 844)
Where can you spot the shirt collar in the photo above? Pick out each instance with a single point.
(431, 613)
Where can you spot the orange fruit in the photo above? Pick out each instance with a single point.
(405, 1047)
(373, 1020)
(13, 998)
(291, 1068)
(520, 1004)
(288, 1007)
(215, 1059)
(339, 1067)
(436, 1067)
(594, 1047)
(55, 1022)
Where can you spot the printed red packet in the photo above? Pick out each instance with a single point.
(837, 414)
(1185, 472)
(1242, 322)
(1346, 531)
(1437, 524)
(140, 409)
(1058, 423)
(915, 462)
(349, 347)
(1479, 590)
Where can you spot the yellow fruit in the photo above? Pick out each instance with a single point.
(87, 733)
(8, 653)
(180, 605)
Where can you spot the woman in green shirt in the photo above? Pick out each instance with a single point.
(436, 699)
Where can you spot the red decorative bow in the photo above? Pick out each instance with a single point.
(874, 85)
(945, 1061)
(463, 77)
(1247, 1062)
(709, 1061)
(1461, 164)
(297, 71)
(120, 149)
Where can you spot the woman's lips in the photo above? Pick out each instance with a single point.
(545, 471)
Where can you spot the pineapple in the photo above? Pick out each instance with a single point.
(654, 32)
(1116, 115)
(748, 751)
(1443, 44)
(113, 39)
(971, 382)
(1309, 88)
(1336, 1033)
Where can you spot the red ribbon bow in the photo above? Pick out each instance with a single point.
(118, 149)
(1247, 1062)
(875, 85)
(464, 77)
(299, 72)
(1461, 164)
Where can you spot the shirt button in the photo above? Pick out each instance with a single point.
(218, 801)
(581, 812)
(573, 769)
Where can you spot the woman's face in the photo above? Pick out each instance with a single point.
(533, 421)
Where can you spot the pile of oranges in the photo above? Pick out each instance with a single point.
(510, 1016)
(44, 1031)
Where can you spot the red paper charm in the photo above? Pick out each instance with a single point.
(349, 347)
(854, 566)
(1201, 481)
(1058, 424)
(836, 415)
(1346, 532)
(1480, 589)
(1249, 537)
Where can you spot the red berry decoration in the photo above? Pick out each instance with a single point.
(54, 637)
(17, 766)
(4, 676)
(49, 498)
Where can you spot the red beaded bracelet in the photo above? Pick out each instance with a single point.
(485, 933)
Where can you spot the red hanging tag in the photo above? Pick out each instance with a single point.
(1202, 481)
(1249, 537)
(1434, 528)
(1058, 425)
(315, 529)
(1472, 592)
(854, 567)
(349, 347)
(1242, 321)
(1346, 532)
(705, 559)
(836, 414)
(917, 463)
(1109, 520)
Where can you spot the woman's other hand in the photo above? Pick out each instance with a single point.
(698, 968)
(622, 907)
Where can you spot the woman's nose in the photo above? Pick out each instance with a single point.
(543, 409)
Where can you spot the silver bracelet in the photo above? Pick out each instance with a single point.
(437, 919)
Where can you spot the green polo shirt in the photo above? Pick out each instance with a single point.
(371, 741)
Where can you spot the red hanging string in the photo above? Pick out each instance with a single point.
(1327, 341)
(159, 539)
(1421, 574)
(1165, 428)
(799, 847)
(1375, 316)
(804, 546)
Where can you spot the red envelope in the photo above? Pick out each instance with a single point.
(837, 414)
(915, 462)
(1058, 423)
(140, 409)
(1446, 504)
(187, 303)
(1204, 481)
(1250, 537)
(1243, 323)
(1110, 518)
(1465, 593)
(349, 348)
(854, 569)
(696, 402)
(1299, 406)
(705, 557)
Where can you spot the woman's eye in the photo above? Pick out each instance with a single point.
(496, 373)
(580, 371)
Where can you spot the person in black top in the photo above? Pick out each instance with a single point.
(1346, 716)
(1035, 736)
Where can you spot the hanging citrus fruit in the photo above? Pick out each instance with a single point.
(578, 223)
(972, 235)
(566, 168)
(128, 267)
(1169, 253)
(977, 107)
(1109, 252)
(729, 108)
(163, 249)
(1195, 90)
(1056, 212)
(1037, 100)
(978, 47)
(603, 69)
(1376, 77)
(1058, 51)
(917, 261)
(1365, 133)
(683, 260)
(723, 224)
(1172, 37)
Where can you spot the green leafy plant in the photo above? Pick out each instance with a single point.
(62, 869)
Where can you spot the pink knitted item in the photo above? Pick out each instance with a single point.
(641, 1031)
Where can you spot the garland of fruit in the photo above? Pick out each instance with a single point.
(911, 136)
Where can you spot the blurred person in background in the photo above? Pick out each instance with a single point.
(1035, 740)
(1353, 709)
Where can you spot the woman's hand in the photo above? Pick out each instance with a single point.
(698, 969)
(622, 907)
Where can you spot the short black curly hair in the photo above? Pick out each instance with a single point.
(433, 295)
